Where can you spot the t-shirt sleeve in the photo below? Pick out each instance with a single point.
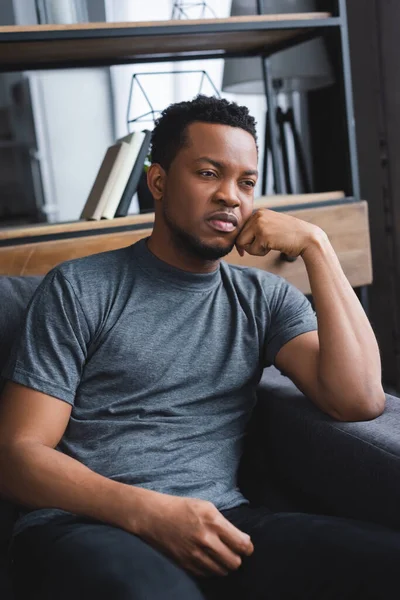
(291, 314)
(51, 348)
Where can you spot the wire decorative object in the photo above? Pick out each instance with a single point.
(181, 7)
(152, 114)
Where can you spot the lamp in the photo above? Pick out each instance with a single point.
(300, 69)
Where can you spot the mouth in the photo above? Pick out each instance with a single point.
(222, 221)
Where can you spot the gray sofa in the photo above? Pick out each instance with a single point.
(296, 457)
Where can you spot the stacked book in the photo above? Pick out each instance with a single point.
(118, 177)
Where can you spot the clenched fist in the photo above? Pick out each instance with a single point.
(268, 230)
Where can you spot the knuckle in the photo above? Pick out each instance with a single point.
(196, 554)
(205, 539)
(208, 506)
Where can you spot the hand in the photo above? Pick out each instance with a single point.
(268, 230)
(195, 534)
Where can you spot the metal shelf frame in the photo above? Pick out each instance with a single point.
(341, 23)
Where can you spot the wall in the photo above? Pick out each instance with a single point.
(73, 122)
(376, 86)
(74, 118)
(174, 88)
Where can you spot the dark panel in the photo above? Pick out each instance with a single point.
(388, 21)
(328, 126)
(373, 31)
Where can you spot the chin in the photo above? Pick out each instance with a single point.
(206, 249)
(214, 251)
(194, 244)
(201, 248)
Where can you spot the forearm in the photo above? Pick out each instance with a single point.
(349, 368)
(39, 477)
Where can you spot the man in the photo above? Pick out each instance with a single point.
(134, 377)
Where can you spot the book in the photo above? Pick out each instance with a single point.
(134, 177)
(134, 141)
(104, 181)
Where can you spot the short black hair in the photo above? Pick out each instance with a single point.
(169, 134)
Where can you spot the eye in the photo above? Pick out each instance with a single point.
(250, 183)
(207, 173)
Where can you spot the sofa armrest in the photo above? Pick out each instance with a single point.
(345, 469)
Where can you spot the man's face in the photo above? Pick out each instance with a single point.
(209, 189)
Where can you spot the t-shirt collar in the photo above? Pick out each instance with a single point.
(162, 270)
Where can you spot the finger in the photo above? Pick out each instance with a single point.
(223, 555)
(207, 563)
(240, 250)
(236, 540)
(243, 242)
(245, 238)
(196, 570)
(258, 248)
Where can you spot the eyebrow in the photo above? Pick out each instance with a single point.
(219, 165)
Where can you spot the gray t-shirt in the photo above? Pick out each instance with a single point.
(160, 366)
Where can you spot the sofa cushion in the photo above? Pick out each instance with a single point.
(347, 469)
(15, 293)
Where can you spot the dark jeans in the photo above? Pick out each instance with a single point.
(296, 556)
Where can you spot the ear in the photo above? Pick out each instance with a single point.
(156, 180)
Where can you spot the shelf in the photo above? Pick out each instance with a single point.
(41, 231)
(345, 224)
(102, 44)
(74, 228)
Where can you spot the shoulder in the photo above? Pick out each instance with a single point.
(265, 287)
(97, 267)
(92, 281)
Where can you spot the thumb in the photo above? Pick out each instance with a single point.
(240, 250)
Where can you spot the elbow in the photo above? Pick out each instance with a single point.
(366, 407)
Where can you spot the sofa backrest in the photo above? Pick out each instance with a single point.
(15, 294)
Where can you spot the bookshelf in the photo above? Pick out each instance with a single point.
(105, 44)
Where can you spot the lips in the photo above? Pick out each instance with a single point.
(223, 221)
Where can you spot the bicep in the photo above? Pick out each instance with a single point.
(298, 360)
(29, 415)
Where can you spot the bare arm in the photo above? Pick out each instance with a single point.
(339, 367)
(349, 366)
(33, 473)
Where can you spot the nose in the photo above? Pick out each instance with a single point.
(226, 193)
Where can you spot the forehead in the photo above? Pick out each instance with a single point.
(220, 142)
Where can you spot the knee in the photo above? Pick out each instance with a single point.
(173, 584)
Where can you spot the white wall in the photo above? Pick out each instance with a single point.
(74, 125)
(73, 121)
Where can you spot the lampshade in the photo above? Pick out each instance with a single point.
(302, 68)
